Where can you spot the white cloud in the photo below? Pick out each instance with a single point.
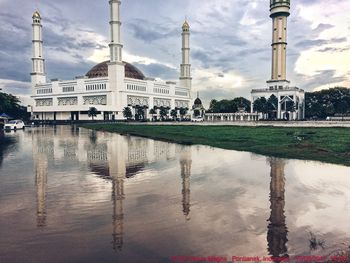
(331, 55)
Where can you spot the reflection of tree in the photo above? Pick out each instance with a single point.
(186, 162)
(5, 144)
(277, 229)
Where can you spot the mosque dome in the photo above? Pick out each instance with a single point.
(198, 101)
(36, 15)
(101, 70)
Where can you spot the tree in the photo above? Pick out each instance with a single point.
(10, 105)
(272, 106)
(261, 105)
(173, 114)
(321, 104)
(183, 112)
(342, 107)
(127, 113)
(92, 112)
(163, 113)
(140, 113)
(152, 112)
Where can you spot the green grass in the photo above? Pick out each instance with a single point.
(330, 145)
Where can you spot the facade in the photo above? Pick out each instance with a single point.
(279, 86)
(109, 86)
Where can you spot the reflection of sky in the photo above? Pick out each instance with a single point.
(229, 200)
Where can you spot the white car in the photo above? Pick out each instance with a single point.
(14, 125)
(197, 119)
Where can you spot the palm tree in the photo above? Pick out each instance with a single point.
(152, 112)
(261, 105)
(173, 114)
(127, 113)
(92, 112)
(183, 112)
(140, 113)
(163, 113)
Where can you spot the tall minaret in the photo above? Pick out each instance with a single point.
(186, 163)
(185, 77)
(116, 69)
(277, 228)
(38, 63)
(279, 11)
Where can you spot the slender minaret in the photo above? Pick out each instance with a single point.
(118, 214)
(185, 78)
(279, 11)
(186, 163)
(116, 68)
(277, 228)
(38, 63)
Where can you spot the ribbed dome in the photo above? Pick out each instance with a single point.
(101, 70)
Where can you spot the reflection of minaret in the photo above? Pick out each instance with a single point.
(118, 214)
(186, 162)
(277, 229)
(41, 166)
(118, 172)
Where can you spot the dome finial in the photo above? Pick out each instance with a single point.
(185, 25)
(36, 14)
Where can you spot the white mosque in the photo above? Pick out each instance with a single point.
(109, 86)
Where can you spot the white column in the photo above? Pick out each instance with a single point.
(185, 75)
(38, 63)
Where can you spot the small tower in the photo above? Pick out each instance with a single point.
(38, 75)
(185, 77)
(116, 67)
(279, 11)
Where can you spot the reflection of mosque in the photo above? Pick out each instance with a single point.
(277, 229)
(109, 156)
(124, 157)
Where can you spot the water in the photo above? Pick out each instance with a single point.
(74, 195)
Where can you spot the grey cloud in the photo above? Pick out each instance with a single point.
(158, 70)
(323, 77)
(318, 42)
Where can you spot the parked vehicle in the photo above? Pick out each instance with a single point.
(197, 119)
(14, 125)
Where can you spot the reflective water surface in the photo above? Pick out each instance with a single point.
(73, 195)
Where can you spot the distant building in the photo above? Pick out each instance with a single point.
(109, 86)
(279, 85)
(197, 108)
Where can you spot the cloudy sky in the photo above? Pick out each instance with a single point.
(230, 42)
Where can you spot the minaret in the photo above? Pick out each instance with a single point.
(186, 163)
(185, 77)
(277, 229)
(116, 68)
(279, 11)
(118, 214)
(38, 63)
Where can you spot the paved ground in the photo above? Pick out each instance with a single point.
(263, 123)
